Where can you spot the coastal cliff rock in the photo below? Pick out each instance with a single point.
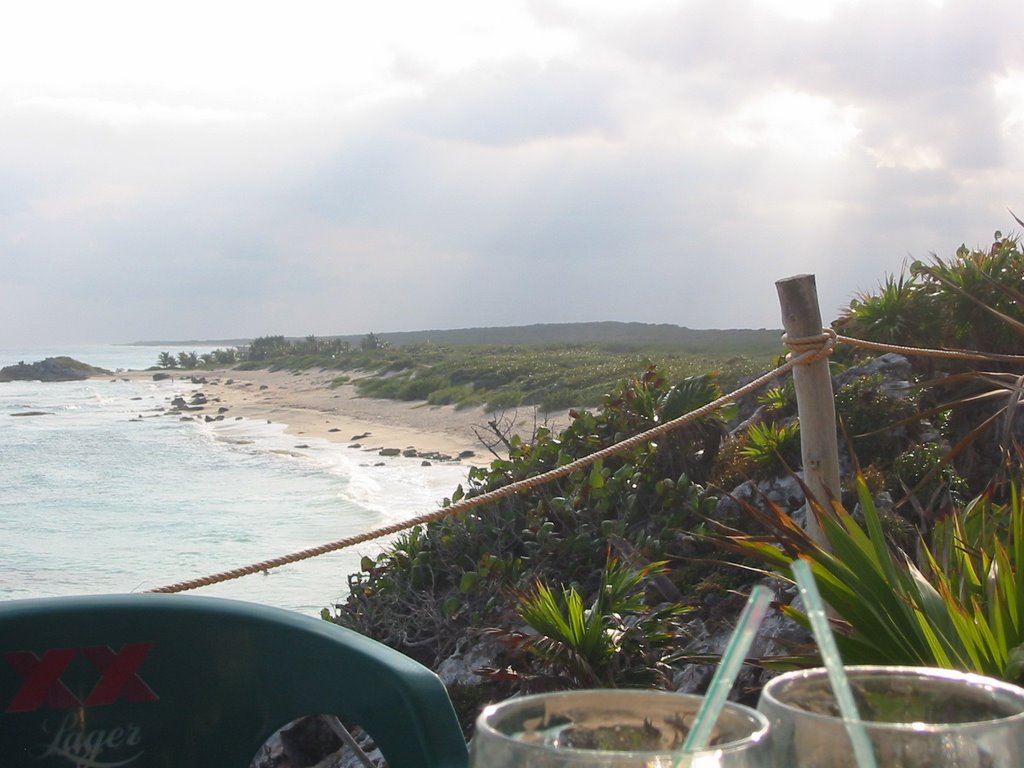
(51, 369)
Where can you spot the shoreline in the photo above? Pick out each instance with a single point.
(308, 406)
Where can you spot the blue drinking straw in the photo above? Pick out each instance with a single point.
(728, 668)
(833, 664)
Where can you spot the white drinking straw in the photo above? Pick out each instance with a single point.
(815, 609)
(728, 668)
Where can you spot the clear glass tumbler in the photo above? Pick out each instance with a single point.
(613, 729)
(915, 717)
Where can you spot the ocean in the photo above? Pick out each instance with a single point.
(101, 494)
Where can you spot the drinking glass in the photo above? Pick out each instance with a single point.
(613, 729)
(914, 717)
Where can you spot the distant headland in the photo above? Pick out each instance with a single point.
(51, 369)
(604, 333)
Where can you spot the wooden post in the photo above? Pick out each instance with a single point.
(801, 318)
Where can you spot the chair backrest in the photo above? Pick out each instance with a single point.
(179, 681)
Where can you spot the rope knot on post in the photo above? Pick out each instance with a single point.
(821, 345)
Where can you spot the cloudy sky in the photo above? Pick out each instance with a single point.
(222, 169)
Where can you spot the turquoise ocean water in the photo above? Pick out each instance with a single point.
(101, 494)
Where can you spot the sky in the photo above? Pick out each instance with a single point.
(222, 169)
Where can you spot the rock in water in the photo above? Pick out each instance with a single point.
(51, 369)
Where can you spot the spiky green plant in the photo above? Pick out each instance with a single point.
(773, 445)
(971, 300)
(961, 606)
(980, 293)
(898, 310)
(780, 401)
(618, 640)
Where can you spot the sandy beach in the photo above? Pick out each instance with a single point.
(308, 406)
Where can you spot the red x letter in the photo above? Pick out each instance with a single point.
(42, 680)
(119, 674)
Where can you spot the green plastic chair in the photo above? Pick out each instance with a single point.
(178, 681)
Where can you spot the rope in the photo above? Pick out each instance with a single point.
(951, 354)
(802, 358)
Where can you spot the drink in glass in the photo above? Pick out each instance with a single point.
(914, 717)
(613, 728)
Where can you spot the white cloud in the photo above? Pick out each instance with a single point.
(132, 113)
(801, 10)
(1009, 93)
(324, 167)
(803, 124)
(515, 103)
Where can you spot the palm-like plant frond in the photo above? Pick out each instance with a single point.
(616, 640)
(963, 608)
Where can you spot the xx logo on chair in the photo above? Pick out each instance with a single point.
(42, 683)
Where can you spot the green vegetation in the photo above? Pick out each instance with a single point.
(547, 376)
(193, 360)
(613, 336)
(972, 301)
(462, 575)
(508, 377)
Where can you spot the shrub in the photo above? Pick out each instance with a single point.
(961, 302)
(924, 472)
(450, 395)
(880, 426)
(504, 399)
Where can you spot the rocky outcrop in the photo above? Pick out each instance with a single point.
(51, 369)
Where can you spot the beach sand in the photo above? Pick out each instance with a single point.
(308, 406)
